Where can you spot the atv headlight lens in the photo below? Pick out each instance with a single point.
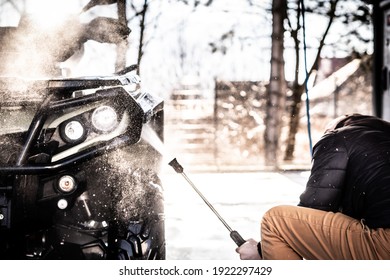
(67, 184)
(73, 131)
(104, 118)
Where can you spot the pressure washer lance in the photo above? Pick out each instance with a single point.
(233, 234)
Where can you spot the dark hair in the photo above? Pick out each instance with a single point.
(364, 120)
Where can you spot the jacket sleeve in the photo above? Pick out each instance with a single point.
(324, 188)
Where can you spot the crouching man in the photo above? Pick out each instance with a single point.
(344, 212)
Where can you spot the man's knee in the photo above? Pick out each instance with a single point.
(275, 233)
(278, 211)
(273, 214)
(281, 216)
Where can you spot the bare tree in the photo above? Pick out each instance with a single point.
(196, 3)
(276, 93)
(140, 12)
(351, 18)
(298, 87)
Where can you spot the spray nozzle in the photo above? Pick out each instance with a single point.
(176, 166)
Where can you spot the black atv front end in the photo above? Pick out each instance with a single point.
(79, 182)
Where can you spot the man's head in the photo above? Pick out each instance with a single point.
(332, 125)
(358, 120)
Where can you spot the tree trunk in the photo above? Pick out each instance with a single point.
(276, 92)
(294, 121)
(121, 48)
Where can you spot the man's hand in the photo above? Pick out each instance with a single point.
(248, 250)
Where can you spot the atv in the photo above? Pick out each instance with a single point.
(77, 180)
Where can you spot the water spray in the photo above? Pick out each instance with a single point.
(233, 234)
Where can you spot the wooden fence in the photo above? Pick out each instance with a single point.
(221, 133)
(225, 132)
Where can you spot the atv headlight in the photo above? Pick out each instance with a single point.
(73, 131)
(104, 118)
(67, 184)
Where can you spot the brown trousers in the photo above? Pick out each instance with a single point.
(295, 233)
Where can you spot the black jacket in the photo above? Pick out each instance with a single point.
(351, 172)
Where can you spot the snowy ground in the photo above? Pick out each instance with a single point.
(193, 232)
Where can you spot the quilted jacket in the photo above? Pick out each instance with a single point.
(351, 172)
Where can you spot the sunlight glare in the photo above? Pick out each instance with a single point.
(48, 13)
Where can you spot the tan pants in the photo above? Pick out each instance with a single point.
(294, 233)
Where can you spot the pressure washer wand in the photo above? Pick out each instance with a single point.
(233, 234)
